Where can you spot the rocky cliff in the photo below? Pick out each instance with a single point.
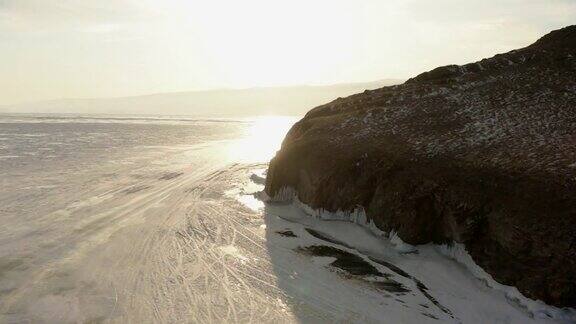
(483, 154)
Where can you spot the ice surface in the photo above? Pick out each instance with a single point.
(161, 221)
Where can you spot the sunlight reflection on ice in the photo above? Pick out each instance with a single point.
(251, 202)
(263, 138)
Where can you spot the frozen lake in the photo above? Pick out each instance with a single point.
(141, 219)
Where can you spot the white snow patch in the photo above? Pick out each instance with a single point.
(233, 251)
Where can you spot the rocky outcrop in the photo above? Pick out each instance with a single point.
(483, 154)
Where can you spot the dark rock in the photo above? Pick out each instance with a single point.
(483, 154)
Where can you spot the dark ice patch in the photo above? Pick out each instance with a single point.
(287, 233)
(430, 315)
(391, 267)
(171, 175)
(135, 189)
(355, 265)
(10, 265)
(424, 290)
(391, 286)
(419, 284)
(351, 263)
(327, 238)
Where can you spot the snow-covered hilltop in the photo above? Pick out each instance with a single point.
(482, 154)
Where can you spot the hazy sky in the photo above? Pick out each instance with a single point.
(102, 48)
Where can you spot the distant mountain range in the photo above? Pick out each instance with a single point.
(289, 100)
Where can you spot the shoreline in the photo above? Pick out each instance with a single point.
(453, 251)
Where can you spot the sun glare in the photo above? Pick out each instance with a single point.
(263, 138)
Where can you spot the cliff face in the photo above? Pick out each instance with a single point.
(483, 154)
